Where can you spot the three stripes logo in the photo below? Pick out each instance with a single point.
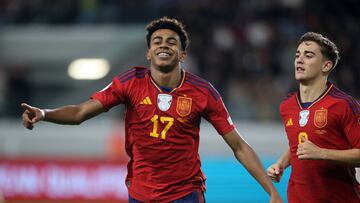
(146, 101)
(289, 122)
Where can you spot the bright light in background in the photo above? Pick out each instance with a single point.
(88, 69)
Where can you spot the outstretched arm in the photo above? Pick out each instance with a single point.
(71, 114)
(247, 156)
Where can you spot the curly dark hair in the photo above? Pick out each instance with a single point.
(168, 23)
(327, 47)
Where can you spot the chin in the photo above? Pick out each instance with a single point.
(300, 77)
(166, 68)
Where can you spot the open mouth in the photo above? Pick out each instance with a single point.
(298, 68)
(163, 54)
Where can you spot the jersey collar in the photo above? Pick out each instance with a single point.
(329, 87)
(183, 73)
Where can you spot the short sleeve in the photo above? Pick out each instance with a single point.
(111, 95)
(217, 114)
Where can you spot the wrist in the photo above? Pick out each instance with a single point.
(42, 111)
(273, 192)
(280, 163)
(323, 154)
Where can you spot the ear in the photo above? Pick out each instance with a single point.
(182, 56)
(328, 65)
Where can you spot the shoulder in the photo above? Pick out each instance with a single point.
(344, 99)
(202, 85)
(134, 73)
(290, 97)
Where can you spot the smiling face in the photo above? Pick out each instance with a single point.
(310, 63)
(165, 51)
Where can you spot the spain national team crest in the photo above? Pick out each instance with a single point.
(164, 101)
(320, 118)
(183, 107)
(304, 117)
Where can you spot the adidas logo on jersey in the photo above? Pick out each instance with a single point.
(146, 101)
(289, 122)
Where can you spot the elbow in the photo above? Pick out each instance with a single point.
(240, 152)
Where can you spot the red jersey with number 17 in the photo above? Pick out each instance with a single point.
(162, 131)
(331, 122)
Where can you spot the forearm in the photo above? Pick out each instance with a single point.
(284, 160)
(247, 156)
(349, 157)
(74, 114)
(251, 162)
(64, 115)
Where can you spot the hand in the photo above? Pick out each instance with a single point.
(275, 172)
(31, 116)
(308, 150)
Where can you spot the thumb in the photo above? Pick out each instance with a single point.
(303, 138)
(36, 119)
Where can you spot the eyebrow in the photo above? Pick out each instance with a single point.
(172, 38)
(169, 38)
(306, 52)
(156, 37)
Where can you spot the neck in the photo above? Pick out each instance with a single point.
(166, 79)
(312, 90)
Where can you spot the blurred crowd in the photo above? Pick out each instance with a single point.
(245, 48)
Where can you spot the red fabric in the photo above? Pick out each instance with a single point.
(318, 180)
(165, 166)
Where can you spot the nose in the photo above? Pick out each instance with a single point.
(163, 45)
(299, 60)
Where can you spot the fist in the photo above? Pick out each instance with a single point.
(275, 172)
(31, 116)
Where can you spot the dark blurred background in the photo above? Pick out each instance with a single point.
(245, 48)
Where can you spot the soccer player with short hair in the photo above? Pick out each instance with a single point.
(164, 105)
(323, 128)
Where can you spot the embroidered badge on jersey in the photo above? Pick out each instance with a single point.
(164, 101)
(183, 107)
(304, 117)
(320, 118)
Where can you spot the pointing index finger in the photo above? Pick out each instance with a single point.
(26, 106)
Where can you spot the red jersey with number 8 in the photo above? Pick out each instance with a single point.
(331, 122)
(162, 131)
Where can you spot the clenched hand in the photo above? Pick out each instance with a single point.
(31, 116)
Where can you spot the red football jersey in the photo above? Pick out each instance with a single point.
(162, 131)
(332, 122)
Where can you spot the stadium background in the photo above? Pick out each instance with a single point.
(245, 48)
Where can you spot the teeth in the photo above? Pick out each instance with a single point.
(163, 54)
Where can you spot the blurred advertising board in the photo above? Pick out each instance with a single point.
(63, 180)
